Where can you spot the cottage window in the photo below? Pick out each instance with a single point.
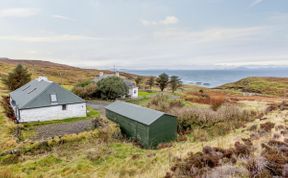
(53, 98)
(64, 107)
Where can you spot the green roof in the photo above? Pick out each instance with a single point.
(135, 112)
(37, 93)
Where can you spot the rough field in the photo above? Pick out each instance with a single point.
(103, 152)
(260, 85)
(62, 74)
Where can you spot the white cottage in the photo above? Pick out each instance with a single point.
(42, 100)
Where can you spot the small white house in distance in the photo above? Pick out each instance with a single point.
(133, 89)
(42, 100)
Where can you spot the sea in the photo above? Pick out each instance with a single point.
(215, 77)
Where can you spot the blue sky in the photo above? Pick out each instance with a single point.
(146, 34)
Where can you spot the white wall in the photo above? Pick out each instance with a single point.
(53, 113)
(133, 92)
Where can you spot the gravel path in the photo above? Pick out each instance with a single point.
(51, 130)
(99, 105)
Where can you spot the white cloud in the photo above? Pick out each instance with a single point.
(255, 3)
(169, 20)
(18, 12)
(210, 35)
(61, 17)
(55, 38)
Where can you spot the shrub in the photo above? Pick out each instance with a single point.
(216, 102)
(112, 88)
(200, 135)
(85, 91)
(163, 103)
(227, 117)
(267, 126)
(7, 173)
(5, 102)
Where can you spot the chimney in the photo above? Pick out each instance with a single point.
(41, 78)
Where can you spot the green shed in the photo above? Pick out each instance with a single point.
(148, 126)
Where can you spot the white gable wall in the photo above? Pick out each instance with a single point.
(133, 92)
(53, 113)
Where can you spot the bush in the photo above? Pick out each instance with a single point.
(163, 103)
(85, 91)
(227, 117)
(7, 108)
(112, 88)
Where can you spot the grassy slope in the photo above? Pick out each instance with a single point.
(261, 85)
(119, 160)
(62, 74)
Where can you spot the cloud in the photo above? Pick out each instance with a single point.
(55, 38)
(255, 3)
(63, 38)
(61, 17)
(18, 12)
(169, 20)
(210, 35)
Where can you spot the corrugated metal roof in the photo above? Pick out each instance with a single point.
(135, 112)
(37, 94)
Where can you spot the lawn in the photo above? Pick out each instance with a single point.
(142, 93)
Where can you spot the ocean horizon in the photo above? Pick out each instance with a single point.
(214, 77)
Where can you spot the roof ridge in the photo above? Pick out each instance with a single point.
(50, 83)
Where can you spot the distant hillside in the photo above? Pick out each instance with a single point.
(261, 85)
(60, 73)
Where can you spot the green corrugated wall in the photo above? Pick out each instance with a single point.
(162, 130)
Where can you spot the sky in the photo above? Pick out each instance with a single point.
(146, 34)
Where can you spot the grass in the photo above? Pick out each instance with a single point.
(120, 159)
(6, 126)
(61, 74)
(261, 85)
(117, 158)
(145, 93)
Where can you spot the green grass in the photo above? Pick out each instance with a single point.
(68, 87)
(145, 93)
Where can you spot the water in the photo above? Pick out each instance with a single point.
(213, 78)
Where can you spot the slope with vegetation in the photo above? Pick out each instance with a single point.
(226, 128)
(260, 85)
(59, 73)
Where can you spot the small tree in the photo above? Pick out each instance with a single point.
(17, 78)
(162, 81)
(112, 88)
(138, 81)
(175, 83)
(150, 82)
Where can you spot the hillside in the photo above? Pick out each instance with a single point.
(60, 73)
(260, 85)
